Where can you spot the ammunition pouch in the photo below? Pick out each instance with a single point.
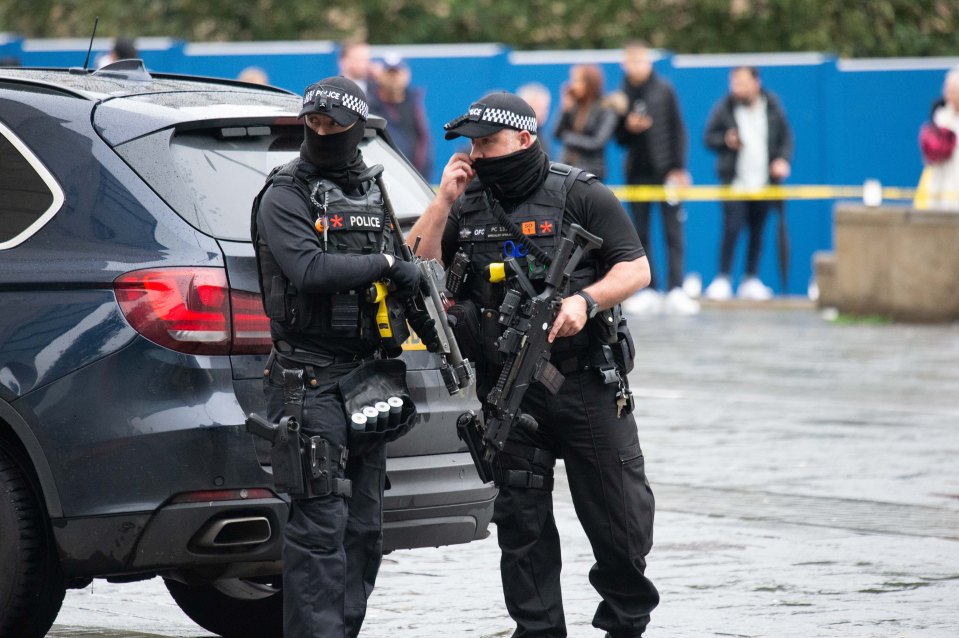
(373, 382)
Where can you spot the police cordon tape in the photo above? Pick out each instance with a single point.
(632, 193)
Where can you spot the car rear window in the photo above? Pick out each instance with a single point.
(210, 176)
(29, 195)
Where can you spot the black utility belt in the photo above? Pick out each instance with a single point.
(318, 367)
(584, 360)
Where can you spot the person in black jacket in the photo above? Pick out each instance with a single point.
(652, 130)
(316, 257)
(754, 144)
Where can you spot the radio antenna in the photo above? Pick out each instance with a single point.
(90, 48)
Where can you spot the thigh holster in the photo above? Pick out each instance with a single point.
(537, 470)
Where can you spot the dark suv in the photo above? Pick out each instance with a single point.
(132, 343)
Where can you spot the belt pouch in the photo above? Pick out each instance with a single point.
(372, 382)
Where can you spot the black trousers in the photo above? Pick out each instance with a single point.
(736, 216)
(673, 228)
(613, 501)
(332, 546)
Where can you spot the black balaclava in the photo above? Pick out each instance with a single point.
(336, 157)
(514, 176)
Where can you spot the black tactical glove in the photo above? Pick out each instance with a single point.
(424, 327)
(405, 278)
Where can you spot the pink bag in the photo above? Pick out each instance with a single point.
(936, 143)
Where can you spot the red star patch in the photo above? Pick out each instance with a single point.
(336, 221)
(546, 227)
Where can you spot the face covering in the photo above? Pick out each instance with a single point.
(516, 175)
(336, 156)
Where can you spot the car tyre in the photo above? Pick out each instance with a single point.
(31, 583)
(232, 608)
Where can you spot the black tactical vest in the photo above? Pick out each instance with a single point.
(352, 224)
(539, 220)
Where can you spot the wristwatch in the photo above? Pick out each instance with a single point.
(591, 306)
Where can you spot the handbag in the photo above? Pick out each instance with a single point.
(936, 143)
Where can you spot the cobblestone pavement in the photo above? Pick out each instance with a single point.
(807, 483)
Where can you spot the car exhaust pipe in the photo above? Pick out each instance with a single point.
(235, 532)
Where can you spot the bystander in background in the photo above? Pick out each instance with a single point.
(353, 61)
(401, 105)
(586, 124)
(749, 132)
(541, 100)
(123, 49)
(651, 128)
(253, 75)
(939, 186)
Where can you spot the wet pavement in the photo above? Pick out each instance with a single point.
(807, 484)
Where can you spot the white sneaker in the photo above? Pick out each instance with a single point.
(753, 289)
(693, 285)
(644, 302)
(720, 289)
(679, 303)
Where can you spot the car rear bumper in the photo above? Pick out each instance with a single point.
(432, 500)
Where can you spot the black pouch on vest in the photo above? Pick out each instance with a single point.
(625, 350)
(465, 322)
(345, 312)
(604, 327)
(373, 382)
(276, 301)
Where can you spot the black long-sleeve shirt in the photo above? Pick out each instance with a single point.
(286, 225)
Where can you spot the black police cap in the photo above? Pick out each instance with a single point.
(339, 98)
(492, 113)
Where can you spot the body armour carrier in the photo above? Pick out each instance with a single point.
(345, 224)
(539, 220)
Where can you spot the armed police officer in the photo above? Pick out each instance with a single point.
(507, 195)
(322, 239)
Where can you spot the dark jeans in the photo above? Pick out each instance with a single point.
(736, 215)
(675, 241)
(332, 546)
(613, 501)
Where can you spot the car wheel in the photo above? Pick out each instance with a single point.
(233, 608)
(31, 585)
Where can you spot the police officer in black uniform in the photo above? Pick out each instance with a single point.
(507, 175)
(321, 239)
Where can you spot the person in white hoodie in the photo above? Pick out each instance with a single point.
(943, 178)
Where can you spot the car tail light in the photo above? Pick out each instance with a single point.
(251, 326)
(193, 310)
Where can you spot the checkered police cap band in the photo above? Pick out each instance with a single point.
(498, 116)
(325, 97)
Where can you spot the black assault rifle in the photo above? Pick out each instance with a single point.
(456, 371)
(527, 318)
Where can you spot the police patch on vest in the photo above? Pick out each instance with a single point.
(498, 232)
(538, 228)
(354, 222)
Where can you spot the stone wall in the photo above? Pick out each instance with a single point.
(892, 261)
